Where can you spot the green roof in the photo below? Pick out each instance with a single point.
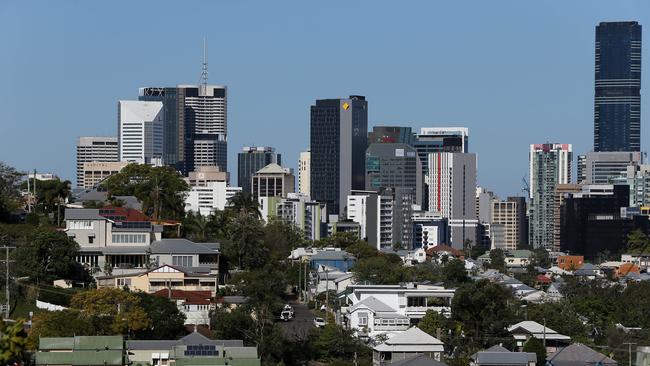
(241, 352)
(90, 358)
(81, 343)
(216, 361)
(520, 253)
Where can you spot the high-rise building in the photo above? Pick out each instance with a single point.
(617, 104)
(550, 165)
(438, 139)
(140, 131)
(252, 159)
(297, 209)
(602, 167)
(561, 191)
(304, 169)
(484, 199)
(394, 165)
(95, 149)
(338, 142)
(452, 193)
(206, 174)
(390, 134)
(374, 214)
(637, 177)
(510, 217)
(197, 134)
(429, 230)
(206, 199)
(96, 171)
(581, 166)
(273, 181)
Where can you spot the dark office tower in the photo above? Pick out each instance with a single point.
(171, 138)
(195, 130)
(339, 129)
(252, 159)
(617, 105)
(391, 165)
(390, 134)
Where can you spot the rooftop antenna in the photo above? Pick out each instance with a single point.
(204, 73)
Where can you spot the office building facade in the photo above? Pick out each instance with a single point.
(252, 159)
(171, 138)
(603, 167)
(617, 104)
(304, 169)
(273, 181)
(338, 142)
(95, 149)
(509, 216)
(96, 171)
(394, 165)
(550, 165)
(140, 132)
(391, 135)
(452, 193)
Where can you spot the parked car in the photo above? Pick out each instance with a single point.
(286, 315)
(319, 322)
(288, 308)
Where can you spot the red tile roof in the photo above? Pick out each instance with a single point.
(543, 279)
(445, 248)
(189, 297)
(123, 214)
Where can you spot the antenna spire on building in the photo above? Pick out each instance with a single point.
(204, 73)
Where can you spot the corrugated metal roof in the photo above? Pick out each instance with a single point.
(182, 246)
(90, 358)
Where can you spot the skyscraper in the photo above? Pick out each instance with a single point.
(617, 104)
(511, 215)
(196, 133)
(140, 131)
(394, 165)
(304, 169)
(550, 165)
(452, 193)
(94, 149)
(252, 159)
(602, 167)
(390, 134)
(338, 142)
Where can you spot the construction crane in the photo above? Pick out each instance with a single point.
(526, 187)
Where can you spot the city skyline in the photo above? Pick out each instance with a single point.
(264, 112)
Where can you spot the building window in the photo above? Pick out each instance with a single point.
(91, 239)
(121, 282)
(363, 319)
(182, 260)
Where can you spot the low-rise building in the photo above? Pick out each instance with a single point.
(210, 197)
(409, 343)
(195, 305)
(500, 356)
(338, 259)
(525, 330)
(81, 351)
(578, 354)
(570, 262)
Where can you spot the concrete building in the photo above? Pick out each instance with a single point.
(511, 216)
(550, 165)
(394, 165)
(196, 125)
(95, 149)
(140, 132)
(429, 230)
(338, 142)
(390, 135)
(374, 214)
(484, 201)
(603, 167)
(561, 191)
(252, 159)
(95, 172)
(452, 193)
(207, 198)
(206, 174)
(637, 177)
(273, 181)
(304, 170)
(299, 210)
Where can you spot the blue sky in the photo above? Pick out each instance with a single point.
(514, 72)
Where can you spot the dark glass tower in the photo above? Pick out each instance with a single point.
(252, 159)
(617, 105)
(170, 128)
(338, 140)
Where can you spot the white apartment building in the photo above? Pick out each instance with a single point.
(297, 209)
(140, 131)
(304, 169)
(374, 214)
(205, 199)
(94, 149)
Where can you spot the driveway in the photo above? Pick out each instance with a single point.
(301, 324)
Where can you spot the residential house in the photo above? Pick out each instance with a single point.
(588, 271)
(577, 354)
(554, 293)
(325, 277)
(339, 259)
(195, 305)
(187, 254)
(405, 345)
(417, 360)
(542, 282)
(410, 300)
(619, 269)
(165, 277)
(570, 262)
(81, 351)
(193, 349)
(641, 260)
(527, 329)
(500, 356)
(519, 258)
(436, 253)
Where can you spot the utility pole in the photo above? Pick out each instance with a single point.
(629, 352)
(299, 280)
(7, 294)
(545, 333)
(327, 292)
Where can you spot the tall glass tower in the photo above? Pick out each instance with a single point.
(617, 104)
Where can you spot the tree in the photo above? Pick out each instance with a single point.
(540, 258)
(197, 227)
(111, 310)
(65, 323)
(560, 317)
(536, 346)
(498, 259)
(477, 251)
(454, 273)
(281, 238)
(50, 194)
(244, 203)
(233, 324)
(10, 198)
(245, 246)
(379, 270)
(12, 343)
(161, 190)
(484, 309)
(334, 342)
(637, 241)
(339, 240)
(48, 255)
(167, 322)
(435, 324)
(361, 250)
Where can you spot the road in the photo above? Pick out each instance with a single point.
(301, 324)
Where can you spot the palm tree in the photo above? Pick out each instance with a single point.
(197, 225)
(244, 203)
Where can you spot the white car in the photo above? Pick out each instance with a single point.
(319, 322)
